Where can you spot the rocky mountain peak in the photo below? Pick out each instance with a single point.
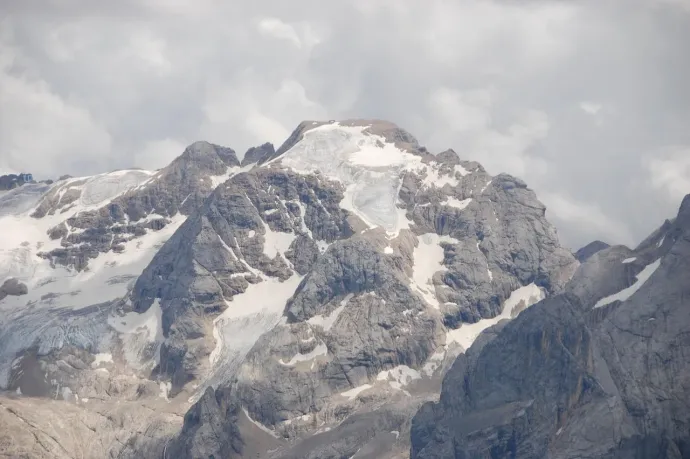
(258, 155)
(310, 298)
(590, 249)
(205, 154)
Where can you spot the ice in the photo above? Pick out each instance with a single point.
(485, 186)
(141, 334)
(165, 388)
(247, 317)
(21, 199)
(467, 333)
(106, 187)
(276, 242)
(629, 260)
(220, 179)
(326, 322)
(625, 294)
(353, 393)
(101, 358)
(368, 166)
(399, 376)
(453, 202)
(259, 425)
(434, 362)
(318, 351)
(428, 259)
(107, 278)
(434, 178)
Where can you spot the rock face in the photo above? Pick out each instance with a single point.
(600, 371)
(12, 287)
(12, 181)
(383, 262)
(590, 249)
(303, 304)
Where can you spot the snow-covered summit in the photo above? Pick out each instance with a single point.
(370, 159)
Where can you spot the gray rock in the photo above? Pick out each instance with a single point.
(258, 155)
(12, 287)
(181, 187)
(560, 382)
(590, 249)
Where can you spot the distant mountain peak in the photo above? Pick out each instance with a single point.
(590, 249)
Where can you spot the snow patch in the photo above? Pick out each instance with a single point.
(141, 334)
(353, 393)
(258, 424)
(467, 333)
(626, 293)
(230, 171)
(318, 351)
(434, 362)
(247, 316)
(165, 388)
(458, 204)
(399, 376)
(428, 259)
(276, 242)
(322, 245)
(101, 358)
(326, 322)
(388, 250)
(107, 278)
(367, 165)
(629, 260)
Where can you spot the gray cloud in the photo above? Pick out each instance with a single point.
(587, 101)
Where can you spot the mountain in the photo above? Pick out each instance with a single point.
(310, 301)
(590, 249)
(597, 371)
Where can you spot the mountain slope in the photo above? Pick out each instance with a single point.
(304, 303)
(600, 371)
(376, 251)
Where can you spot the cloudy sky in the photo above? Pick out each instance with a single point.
(587, 101)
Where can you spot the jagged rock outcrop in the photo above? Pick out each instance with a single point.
(597, 372)
(258, 155)
(135, 201)
(12, 287)
(590, 249)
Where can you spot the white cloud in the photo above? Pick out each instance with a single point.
(157, 154)
(275, 28)
(670, 172)
(463, 120)
(43, 133)
(89, 86)
(587, 218)
(301, 35)
(591, 108)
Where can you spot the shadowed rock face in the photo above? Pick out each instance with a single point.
(12, 287)
(590, 249)
(592, 373)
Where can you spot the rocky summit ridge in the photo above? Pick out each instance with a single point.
(304, 302)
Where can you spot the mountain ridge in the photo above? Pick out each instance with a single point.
(301, 302)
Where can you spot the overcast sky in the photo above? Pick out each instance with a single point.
(587, 101)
